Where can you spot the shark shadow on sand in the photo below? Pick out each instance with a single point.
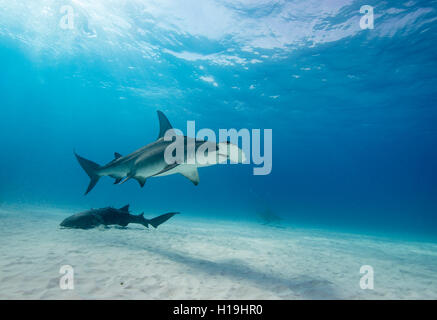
(305, 286)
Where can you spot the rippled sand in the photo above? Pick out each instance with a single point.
(188, 258)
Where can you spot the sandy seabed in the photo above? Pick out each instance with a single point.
(188, 258)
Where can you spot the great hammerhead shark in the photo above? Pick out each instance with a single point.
(111, 216)
(149, 161)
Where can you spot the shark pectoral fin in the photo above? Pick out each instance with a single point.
(141, 180)
(190, 172)
(117, 180)
(164, 124)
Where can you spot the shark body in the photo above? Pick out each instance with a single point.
(149, 161)
(111, 216)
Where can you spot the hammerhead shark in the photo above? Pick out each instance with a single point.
(111, 216)
(149, 161)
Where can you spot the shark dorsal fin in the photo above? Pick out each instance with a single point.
(117, 155)
(164, 124)
(125, 208)
(142, 214)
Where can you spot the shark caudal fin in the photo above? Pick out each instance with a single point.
(91, 170)
(155, 222)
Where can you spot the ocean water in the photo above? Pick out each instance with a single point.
(352, 112)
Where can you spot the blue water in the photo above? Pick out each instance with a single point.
(353, 112)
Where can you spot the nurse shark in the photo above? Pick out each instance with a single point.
(111, 216)
(150, 160)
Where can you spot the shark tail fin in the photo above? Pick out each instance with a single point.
(155, 222)
(91, 169)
